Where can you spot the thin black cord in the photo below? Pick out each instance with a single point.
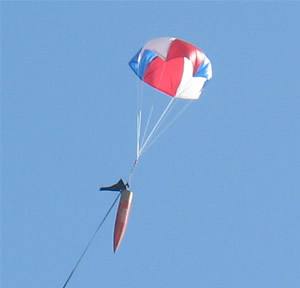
(91, 240)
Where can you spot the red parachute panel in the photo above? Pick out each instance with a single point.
(181, 48)
(165, 75)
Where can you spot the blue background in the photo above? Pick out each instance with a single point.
(216, 198)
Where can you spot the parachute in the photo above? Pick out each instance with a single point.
(175, 68)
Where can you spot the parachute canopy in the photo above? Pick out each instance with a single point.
(173, 66)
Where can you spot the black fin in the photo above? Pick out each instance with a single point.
(116, 187)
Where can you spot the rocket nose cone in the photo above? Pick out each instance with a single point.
(122, 217)
(116, 246)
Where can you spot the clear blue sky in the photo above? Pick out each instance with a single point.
(216, 198)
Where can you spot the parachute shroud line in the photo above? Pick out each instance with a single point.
(156, 126)
(160, 133)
